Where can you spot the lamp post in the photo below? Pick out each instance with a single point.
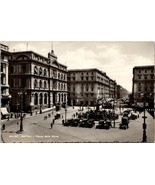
(144, 124)
(114, 112)
(21, 111)
(65, 112)
(144, 139)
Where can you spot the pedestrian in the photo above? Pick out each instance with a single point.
(11, 115)
(17, 123)
(51, 125)
(53, 121)
(63, 122)
(3, 126)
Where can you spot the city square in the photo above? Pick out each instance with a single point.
(38, 130)
(45, 100)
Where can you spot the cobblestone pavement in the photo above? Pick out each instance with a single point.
(36, 129)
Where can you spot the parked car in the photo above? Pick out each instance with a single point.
(90, 123)
(68, 122)
(124, 124)
(134, 116)
(103, 124)
(75, 122)
(83, 122)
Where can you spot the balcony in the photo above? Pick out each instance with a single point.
(5, 86)
(6, 96)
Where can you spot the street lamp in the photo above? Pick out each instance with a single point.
(114, 111)
(65, 112)
(144, 139)
(21, 111)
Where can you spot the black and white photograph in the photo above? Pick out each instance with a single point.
(77, 92)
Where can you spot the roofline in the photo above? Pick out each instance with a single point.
(18, 52)
(148, 66)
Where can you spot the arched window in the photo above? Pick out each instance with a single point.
(40, 84)
(61, 76)
(36, 99)
(35, 83)
(58, 75)
(61, 97)
(35, 70)
(40, 71)
(58, 86)
(61, 86)
(45, 84)
(64, 77)
(41, 98)
(45, 72)
(45, 98)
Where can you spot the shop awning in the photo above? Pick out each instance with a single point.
(4, 111)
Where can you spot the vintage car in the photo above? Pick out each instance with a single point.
(75, 122)
(83, 123)
(90, 123)
(68, 122)
(103, 124)
(125, 123)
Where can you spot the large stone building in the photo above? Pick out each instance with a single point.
(112, 89)
(87, 86)
(37, 81)
(5, 94)
(143, 85)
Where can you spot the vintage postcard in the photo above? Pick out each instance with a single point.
(77, 92)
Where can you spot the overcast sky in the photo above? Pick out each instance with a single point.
(117, 59)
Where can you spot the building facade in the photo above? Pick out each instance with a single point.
(86, 86)
(5, 94)
(143, 85)
(35, 79)
(112, 89)
(57, 80)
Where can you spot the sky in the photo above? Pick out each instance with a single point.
(117, 59)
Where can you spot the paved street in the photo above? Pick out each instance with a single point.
(36, 129)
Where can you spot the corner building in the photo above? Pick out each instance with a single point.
(36, 77)
(143, 85)
(5, 94)
(86, 86)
